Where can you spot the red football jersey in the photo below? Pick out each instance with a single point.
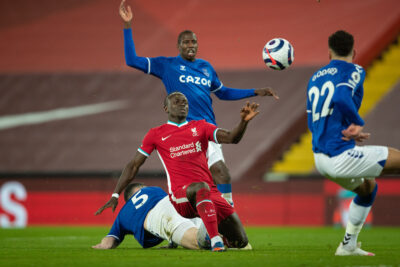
(182, 149)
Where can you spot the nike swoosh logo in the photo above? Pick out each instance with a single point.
(165, 138)
(12, 121)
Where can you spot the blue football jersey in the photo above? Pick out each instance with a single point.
(334, 96)
(195, 79)
(131, 217)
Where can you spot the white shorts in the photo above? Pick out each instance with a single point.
(351, 167)
(214, 153)
(165, 222)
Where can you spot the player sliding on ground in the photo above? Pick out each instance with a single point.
(149, 216)
(182, 147)
(335, 94)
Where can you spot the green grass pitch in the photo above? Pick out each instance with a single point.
(272, 246)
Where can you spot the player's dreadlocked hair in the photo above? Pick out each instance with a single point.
(341, 43)
(168, 97)
(128, 190)
(183, 33)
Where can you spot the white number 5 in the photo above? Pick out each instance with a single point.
(143, 198)
(314, 91)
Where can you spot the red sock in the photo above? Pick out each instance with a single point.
(206, 210)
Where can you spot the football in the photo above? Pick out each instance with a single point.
(278, 54)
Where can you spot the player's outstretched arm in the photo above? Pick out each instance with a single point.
(125, 14)
(226, 93)
(247, 113)
(267, 91)
(131, 58)
(107, 242)
(128, 174)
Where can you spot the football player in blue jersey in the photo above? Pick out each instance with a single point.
(196, 79)
(334, 96)
(149, 216)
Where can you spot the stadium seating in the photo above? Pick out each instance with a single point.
(70, 54)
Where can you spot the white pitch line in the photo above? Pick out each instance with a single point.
(11, 121)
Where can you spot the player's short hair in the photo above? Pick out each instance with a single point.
(180, 36)
(341, 42)
(128, 190)
(168, 97)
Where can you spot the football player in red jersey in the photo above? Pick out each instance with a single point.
(182, 147)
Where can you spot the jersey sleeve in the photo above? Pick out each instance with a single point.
(344, 92)
(211, 131)
(131, 59)
(216, 84)
(226, 93)
(157, 66)
(148, 144)
(117, 231)
(346, 107)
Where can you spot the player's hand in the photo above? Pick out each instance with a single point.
(362, 136)
(267, 91)
(354, 132)
(249, 111)
(125, 13)
(107, 242)
(113, 203)
(99, 246)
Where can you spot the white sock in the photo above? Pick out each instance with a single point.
(202, 235)
(357, 216)
(228, 197)
(216, 239)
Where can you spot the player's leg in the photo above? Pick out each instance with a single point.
(232, 229)
(195, 234)
(358, 212)
(198, 195)
(392, 165)
(164, 221)
(362, 203)
(375, 158)
(229, 224)
(203, 240)
(189, 238)
(348, 170)
(219, 170)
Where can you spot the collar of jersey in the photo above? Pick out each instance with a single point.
(176, 124)
(339, 61)
(184, 60)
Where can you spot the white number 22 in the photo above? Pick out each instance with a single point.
(313, 95)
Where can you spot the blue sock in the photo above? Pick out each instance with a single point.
(224, 188)
(366, 201)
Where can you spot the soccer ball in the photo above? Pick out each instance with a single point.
(278, 54)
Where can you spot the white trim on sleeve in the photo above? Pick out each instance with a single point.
(143, 152)
(215, 136)
(219, 88)
(345, 84)
(149, 67)
(179, 200)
